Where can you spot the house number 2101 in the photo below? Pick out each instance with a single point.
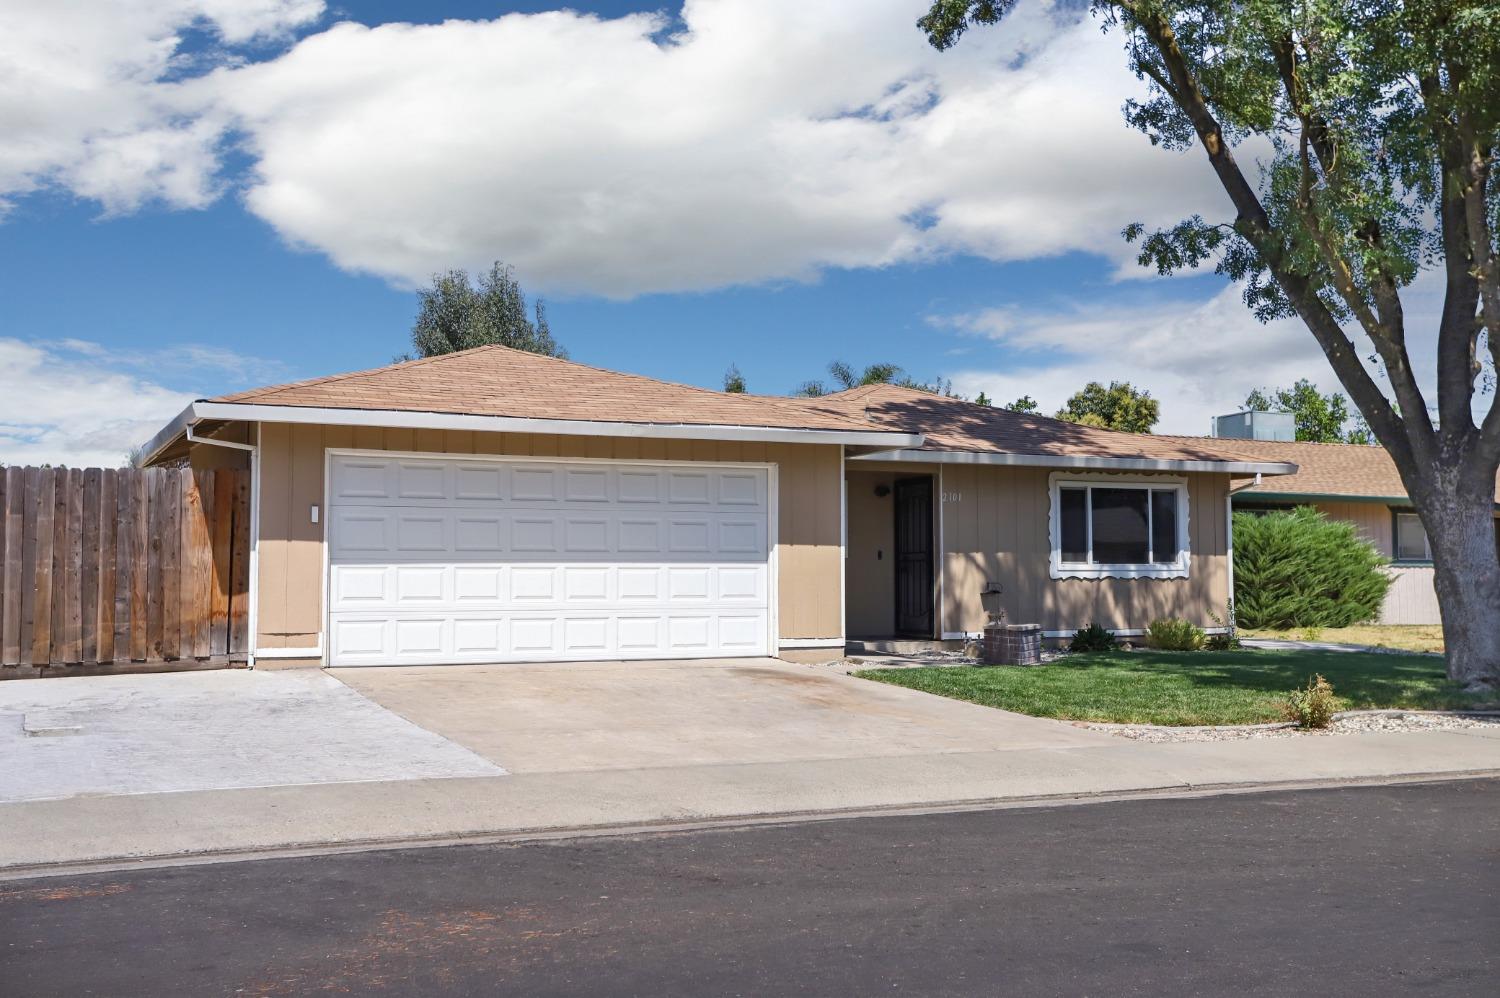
(953, 496)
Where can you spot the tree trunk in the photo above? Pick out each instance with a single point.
(1460, 522)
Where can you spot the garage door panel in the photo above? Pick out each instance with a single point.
(438, 560)
(424, 533)
(424, 480)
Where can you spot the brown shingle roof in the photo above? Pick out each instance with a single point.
(499, 381)
(1344, 470)
(954, 425)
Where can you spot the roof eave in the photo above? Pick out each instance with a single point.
(1083, 462)
(404, 419)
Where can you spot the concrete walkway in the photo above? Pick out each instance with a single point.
(106, 829)
(1288, 644)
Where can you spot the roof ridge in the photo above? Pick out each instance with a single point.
(330, 378)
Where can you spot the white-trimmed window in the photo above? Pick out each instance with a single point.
(1107, 527)
(1411, 537)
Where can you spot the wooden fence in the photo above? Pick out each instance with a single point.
(105, 567)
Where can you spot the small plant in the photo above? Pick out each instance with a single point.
(1172, 634)
(1092, 638)
(1312, 707)
(1312, 634)
(1229, 638)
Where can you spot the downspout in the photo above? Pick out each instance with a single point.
(1229, 539)
(253, 576)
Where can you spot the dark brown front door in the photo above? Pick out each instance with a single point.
(914, 557)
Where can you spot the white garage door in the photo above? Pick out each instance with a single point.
(438, 560)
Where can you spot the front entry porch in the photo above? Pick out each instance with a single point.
(891, 569)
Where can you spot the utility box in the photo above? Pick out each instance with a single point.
(1011, 644)
(1256, 426)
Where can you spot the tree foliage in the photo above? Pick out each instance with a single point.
(1301, 569)
(843, 377)
(1319, 418)
(1118, 407)
(1023, 404)
(456, 313)
(734, 381)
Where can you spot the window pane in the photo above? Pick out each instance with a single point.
(1164, 525)
(1120, 526)
(1072, 518)
(1411, 539)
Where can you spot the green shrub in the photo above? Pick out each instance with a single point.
(1312, 707)
(1299, 569)
(1174, 635)
(1092, 638)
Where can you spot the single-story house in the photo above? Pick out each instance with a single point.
(1358, 484)
(494, 505)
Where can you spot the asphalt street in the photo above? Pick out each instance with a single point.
(1353, 891)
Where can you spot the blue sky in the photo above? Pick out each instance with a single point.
(249, 201)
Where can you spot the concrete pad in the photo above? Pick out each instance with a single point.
(204, 730)
(633, 715)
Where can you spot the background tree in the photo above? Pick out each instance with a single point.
(456, 314)
(1118, 407)
(1023, 404)
(1319, 418)
(1375, 124)
(734, 381)
(982, 399)
(845, 377)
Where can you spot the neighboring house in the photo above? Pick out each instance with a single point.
(494, 505)
(1358, 484)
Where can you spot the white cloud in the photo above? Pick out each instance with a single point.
(77, 403)
(757, 140)
(1200, 359)
(87, 102)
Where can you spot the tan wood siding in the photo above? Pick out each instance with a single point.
(996, 529)
(290, 562)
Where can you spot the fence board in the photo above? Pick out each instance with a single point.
(156, 507)
(74, 650)
(108, 553)
(140, 556)
(124, 490)
(40, 617)
(171, 564)
(197, 562)
(14, 514)
(239, 569)
(59, 576)
(223, 537)
(88, 572)
(33, 480)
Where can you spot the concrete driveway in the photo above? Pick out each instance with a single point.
(634, 715)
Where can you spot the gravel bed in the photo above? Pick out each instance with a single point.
(1346, 723)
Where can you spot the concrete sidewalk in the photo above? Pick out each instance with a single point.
(81, 830)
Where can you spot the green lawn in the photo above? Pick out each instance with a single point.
(1154, 687)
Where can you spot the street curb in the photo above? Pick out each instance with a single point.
(725, 823)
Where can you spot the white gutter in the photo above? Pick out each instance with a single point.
(1080, 461)
(517, 424)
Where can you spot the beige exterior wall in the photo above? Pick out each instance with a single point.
(290, 611)
(995, 528)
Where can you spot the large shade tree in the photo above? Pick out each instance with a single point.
(1373, 126)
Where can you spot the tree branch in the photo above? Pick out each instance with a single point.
(1255, 225)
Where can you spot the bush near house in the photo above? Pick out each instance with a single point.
(1174, 635)
(1299, 569)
